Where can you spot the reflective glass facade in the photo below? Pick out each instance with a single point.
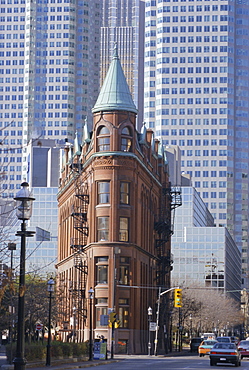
(204, 255)
(49, 76)
(41, 250)
(196, 96)
(123, 23)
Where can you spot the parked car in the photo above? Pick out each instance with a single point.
(194, 344)
(225, 352)
(224, 339)
(205, 346)
(243, 347)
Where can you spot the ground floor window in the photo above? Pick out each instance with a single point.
(123, 312)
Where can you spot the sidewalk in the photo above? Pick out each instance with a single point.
(69, 364)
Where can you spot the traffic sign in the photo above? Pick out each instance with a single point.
(152, 326)
(39, 326)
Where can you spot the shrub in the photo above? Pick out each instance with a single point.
(56, 349)
(80, 349)
(67, 349)
(32, 352)
(37, 351)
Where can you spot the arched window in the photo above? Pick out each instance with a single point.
(126, 139)
(103, 139)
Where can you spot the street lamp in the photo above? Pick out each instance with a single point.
(90, 291)
(74, 323)
(149, 319)
(50, 290)
(11, 248)
(24, 200)
(190, 318)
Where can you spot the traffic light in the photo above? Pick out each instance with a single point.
(113, 317)
(178, 298)
(117, 324)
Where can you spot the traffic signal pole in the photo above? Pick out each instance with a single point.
(112, 343)
(157, 315)
(113, 320)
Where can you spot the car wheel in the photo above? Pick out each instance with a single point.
(212, 363)
(236, 364)
(241, 357)
(200, 354)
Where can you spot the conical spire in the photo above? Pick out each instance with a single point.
(115, 93)
(76, 146)
(86, 133)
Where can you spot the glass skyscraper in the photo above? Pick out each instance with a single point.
(49, 76)
(196, 96)
(123, 23)
(204, 255)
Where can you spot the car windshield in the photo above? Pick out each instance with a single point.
(244, 343)
(196, 340)
(225, 346)
(209, 342)
(222, 339)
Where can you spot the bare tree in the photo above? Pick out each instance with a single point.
(207, 310)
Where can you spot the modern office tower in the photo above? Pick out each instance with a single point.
(41, 249)
(196, 96)
(123, 23)
(49, 76)
(204, 255)
(43, 177)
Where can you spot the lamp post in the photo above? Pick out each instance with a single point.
(50, 290)
(157, 315)
(74, 323)
(149, 320)
(90, 291)
(24, 200)
(190, 319)
(11, 248)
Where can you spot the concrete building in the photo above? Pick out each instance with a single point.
(49, 77)
(123, 23)
(196, 96)
(114, 223)
(204, 255)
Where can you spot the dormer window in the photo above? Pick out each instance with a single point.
(126, 139)
(103, 139)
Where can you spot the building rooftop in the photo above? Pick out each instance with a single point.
(115, 93)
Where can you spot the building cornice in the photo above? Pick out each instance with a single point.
(120, 154)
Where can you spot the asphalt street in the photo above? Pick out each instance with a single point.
(136, 362)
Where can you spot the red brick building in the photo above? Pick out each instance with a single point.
(114, 223)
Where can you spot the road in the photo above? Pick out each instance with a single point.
(144, 362)
(169, 363)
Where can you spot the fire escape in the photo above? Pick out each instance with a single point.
(79, 214)
(164, 222)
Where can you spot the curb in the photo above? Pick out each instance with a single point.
(79, 365)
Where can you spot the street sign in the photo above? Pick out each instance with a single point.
(152, 326)
(104, 320)
(39, 326)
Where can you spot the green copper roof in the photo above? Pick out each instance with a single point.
(115, 93)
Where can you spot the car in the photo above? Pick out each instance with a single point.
(225, 353)
(205, 346)
(234, 340)
(224, 339)
(243, 347)
(194, 344)
(208, 336)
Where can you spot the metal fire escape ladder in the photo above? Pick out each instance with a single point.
(79, 214)
(171, 199)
